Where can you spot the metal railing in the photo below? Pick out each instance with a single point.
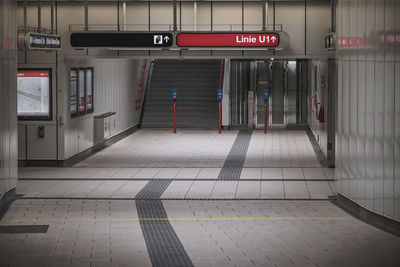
(180, 27)
(143, 83)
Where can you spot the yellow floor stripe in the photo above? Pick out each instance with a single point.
(179, 219)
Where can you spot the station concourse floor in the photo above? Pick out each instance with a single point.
(155, 198)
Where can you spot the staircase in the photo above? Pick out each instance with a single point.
(197, 82)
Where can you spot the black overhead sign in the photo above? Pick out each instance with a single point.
(121, 39)
(41, 41)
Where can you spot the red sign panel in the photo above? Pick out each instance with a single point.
(227, 39)
(33, 74)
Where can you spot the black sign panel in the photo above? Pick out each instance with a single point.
(42, 41)
(53, 41)
(37, 41)
(121, 39)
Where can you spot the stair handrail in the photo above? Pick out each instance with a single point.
(139, 100)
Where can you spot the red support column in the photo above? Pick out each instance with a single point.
(265, 117)
(174, 117)
(219, 117)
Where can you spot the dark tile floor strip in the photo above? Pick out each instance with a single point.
(163, 245)
(233, 165)
(23, 229)
(177, 179)
(185, 199)
(5, 204)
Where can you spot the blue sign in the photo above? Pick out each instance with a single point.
(174, 95)
(266, 95)
(219, 95)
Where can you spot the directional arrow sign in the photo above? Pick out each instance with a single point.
(238, 39)
(122, 39)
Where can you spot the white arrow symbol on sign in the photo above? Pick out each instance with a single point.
(273, 38)
(166, 39)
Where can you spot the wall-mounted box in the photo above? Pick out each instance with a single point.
(103, 125)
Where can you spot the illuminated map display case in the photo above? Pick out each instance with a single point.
(34, 94)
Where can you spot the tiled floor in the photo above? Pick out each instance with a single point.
(173, 173)
(258, 220)
(162, 148)
(278, 165)
(214, 233)
(178, 189)
(280, 148)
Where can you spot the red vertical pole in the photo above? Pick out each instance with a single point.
(219, 117)
(174, 117)
(265, 117)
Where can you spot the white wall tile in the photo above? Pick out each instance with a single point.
(345, 127)
(370, 29)
(115, 85)
(226, 15)
(390, 41)
(353, 163)
(108, 17)
(137, 15)
(8, 101)
(318, 20)
(252, 16)
(370, 133)
(69, 13)
(368, 123)
(161, 16)
(339, 126)
(397, 143)
(388, 140)
(360, 171)
(379, 134)
(361, 28)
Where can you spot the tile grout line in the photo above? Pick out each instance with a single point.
(119, 188)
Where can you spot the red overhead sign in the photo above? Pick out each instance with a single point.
(240, 39)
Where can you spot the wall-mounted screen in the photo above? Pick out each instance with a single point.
(89, 90)
(81, 91)
(73, 79)
(82, 96)
(34, 94)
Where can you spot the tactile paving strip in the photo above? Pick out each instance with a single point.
(163, 245)
(153, 189)
(23, 229)
(234, 162)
